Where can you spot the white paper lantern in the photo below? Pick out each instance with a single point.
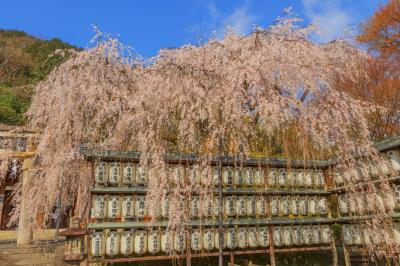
(253, 237)
(347, 234)
(99, 207)
(338, 179)
(97, 244)
(114, 175)
(231, 238)
(165, 207)
(343, 204)
(396, 235)
(263, 237)
(258, 177)
(179, 242)
(128, 207)
(282, 178)
(228, 176)
(312, 205)
(285, 206)
(275, 206)
(322, 206)
(352, 175)
(141, 176)
(360, 207)
(112, 244)
(177, 175)
(216, 236)
(379, 202)
(100, 175)
(251, 206)
(383, 167)
(208, 238)
(128, 177)
(194, 176)
(249, 176)
(194, 207)
(239, 178)
(277, 236)
(307, 235)
(389, 201)
(356, 235)
(114, 207)
(326, 234)
(195, 240)
(366, 236)
(303, 206)
(300, 178)
(153, 241)
(208, 210)
(229, 206)
(297, 235)
(261, 206)
(291, 176)
(241, 206)
(319, 179)
(216, 207)
(397, 195)
(127, 242)
(215, 176)
(167, 241)
(140, 206)
(316, 234)
(243, 241)
(272, 176)
(287, 236)
(394, 158)
(294, 205)
(308, 179)
(140, 239)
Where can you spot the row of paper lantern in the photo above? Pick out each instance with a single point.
(132, 174)
(128, 242)
(134, 206)
(358, 173)
(358, 234)
(299, 205)
(365, 203)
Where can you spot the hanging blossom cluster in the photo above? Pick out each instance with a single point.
(224, 95)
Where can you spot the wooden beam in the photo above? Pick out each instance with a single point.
(203, 255)
(271, 246)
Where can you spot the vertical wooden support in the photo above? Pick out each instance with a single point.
(24, 232)
(346, 255)
(271, 246)
(334, 253)
(220, 210)
(188, 249)
(232, 257)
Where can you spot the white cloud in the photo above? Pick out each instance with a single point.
(241, 20)
(330, 16)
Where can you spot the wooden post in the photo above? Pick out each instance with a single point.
(188, 249)
(232, 263)
(220, 206)
(271, 246)
(24, 232)
(334, 253)
(346, 255)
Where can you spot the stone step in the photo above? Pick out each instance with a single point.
(13, 249)
(32, 256)
(28, 261)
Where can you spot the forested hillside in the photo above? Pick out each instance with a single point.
(24, 61)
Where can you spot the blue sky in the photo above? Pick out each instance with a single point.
(150, 25)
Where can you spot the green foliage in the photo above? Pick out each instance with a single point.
(24, 61)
